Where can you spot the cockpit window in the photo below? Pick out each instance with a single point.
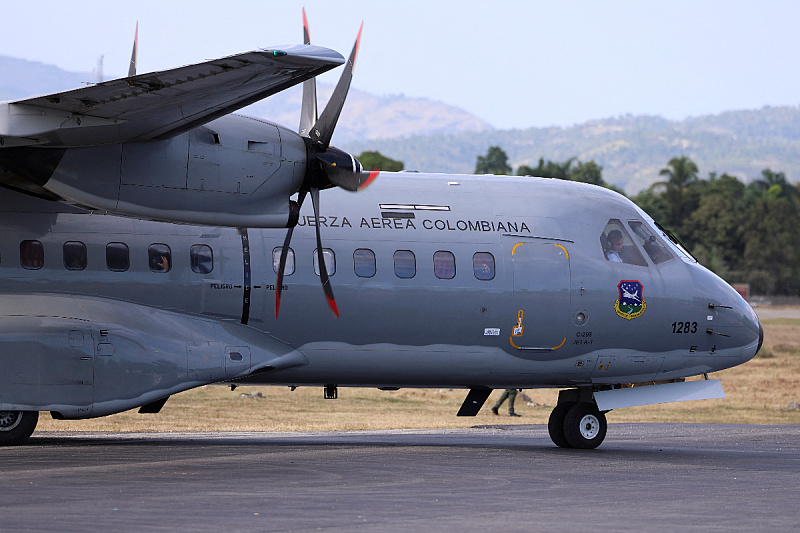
(618, 246)
(652, 245)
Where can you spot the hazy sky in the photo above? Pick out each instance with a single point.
(513, 64)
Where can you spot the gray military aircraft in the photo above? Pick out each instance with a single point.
(142, 255)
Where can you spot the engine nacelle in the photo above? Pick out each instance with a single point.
(234, 171)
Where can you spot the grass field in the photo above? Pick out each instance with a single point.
(757, 393)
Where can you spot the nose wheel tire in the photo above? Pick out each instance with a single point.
(17, 426)
(585, 426)
(555, 425)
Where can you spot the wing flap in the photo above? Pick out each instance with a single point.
(160, 104)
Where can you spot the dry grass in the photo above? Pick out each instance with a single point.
(757, 393)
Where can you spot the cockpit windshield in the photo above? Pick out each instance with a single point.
(618, 247)
(652, 245)
(671, 240)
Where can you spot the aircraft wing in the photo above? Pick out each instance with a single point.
(162, 104)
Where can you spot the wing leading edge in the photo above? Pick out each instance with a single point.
(162, 104)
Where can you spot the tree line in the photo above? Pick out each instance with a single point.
(744, 232)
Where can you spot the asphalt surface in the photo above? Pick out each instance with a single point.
(644, 477)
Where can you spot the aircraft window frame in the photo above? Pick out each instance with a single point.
(628, 254)
(405, 263)
(444, 265)
(483, 266)
(124, 252)
(74, 255)
(157, 253)
(364, 264)
(31, 254)
(652, 245)
(289, 268)
(329, 257)
(199, 262)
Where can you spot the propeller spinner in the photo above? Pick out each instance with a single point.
(327, 166)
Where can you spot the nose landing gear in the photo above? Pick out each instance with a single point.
(577, 424)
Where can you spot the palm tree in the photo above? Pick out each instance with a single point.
(681, 173)
(775, 184)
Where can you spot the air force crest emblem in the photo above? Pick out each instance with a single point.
(631, 302)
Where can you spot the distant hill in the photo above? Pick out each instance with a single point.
(436, 137)
(366, 116)
(631, 149)
(20, 78)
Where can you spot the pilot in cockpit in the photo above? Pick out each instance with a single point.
(615, 246)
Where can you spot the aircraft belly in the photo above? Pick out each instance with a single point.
(431, 366)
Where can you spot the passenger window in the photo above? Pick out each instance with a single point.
(483, 266)
(444, 265)
(74, 255)
(159, 257)
(618, 246)
(202, 258)
(31, 255)
(405, 264)
(330, 261)
(117, 257)
(288, 269)
(364, 263)
(652, 245)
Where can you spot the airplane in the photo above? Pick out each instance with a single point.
(145, 252)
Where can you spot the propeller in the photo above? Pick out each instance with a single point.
(135, 52)
(326, 166)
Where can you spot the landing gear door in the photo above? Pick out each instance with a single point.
(541, 298)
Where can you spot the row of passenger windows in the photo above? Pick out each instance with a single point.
(31, 257)
(405, 263)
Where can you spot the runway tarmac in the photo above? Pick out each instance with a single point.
(644, 477)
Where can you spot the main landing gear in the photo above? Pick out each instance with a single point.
(576, 422)
(17, 426)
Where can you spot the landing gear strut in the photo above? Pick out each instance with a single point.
(16, 426)
(577, 424)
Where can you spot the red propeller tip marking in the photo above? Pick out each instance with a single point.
(358, 43)
(305, 25)
(334, 308)
(372, 175)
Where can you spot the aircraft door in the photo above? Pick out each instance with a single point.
(541, 297)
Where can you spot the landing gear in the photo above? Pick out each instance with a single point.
(577, 424)
(585, 426)
(555, 426)
(17, 426)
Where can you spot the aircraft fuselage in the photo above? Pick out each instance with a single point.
(477, 281)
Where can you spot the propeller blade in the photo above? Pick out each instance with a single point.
(323, 271)
(308, 111)
(135, 52)
(322, 131)
(284, 254)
